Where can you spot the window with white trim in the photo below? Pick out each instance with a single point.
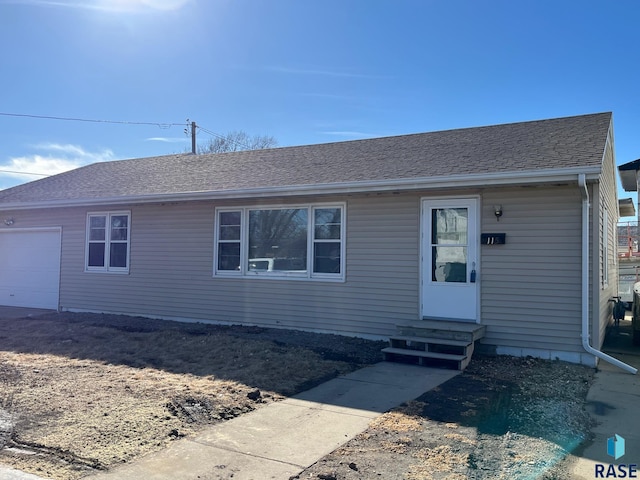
(304, 242)
(108, 240)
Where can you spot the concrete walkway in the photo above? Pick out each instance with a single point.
(7, 473)
(282, 439)
(14, 313)
(614, 403)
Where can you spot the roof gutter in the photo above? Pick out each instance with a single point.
(582, 183)
(536, 177)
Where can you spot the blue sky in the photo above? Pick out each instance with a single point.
(301, 71)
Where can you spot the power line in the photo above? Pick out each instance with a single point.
(121, 122)
(223, 137)
(25, 173)
(209, 132)
(90, 120)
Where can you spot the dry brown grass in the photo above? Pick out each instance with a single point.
(86, 392)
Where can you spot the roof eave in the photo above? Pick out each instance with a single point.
(626, 208)
(531, 177)
(628, 175)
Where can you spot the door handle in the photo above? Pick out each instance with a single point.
(474, 274)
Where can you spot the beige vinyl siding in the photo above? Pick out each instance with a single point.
(171, 270)
(607, 198)
(530, 287)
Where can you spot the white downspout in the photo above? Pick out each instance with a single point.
(582, 183)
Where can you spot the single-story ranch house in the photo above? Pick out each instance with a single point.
(509, 227)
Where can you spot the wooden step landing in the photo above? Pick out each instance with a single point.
(427, 340)
(426, 358)
(434, 343)
(443, 329)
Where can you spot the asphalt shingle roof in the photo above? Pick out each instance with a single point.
(517, 147)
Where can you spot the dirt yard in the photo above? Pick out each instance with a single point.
(503, 418)
(80, 393)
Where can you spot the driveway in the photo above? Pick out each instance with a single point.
(8, 313)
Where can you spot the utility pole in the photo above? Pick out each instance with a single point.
(193, 137)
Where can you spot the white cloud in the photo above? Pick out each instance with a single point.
(110, 5)
(55, 158)
(321, 72)
(350, 133)
(168, 139)
(166, 4)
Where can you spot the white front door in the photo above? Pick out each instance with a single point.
(450, 267)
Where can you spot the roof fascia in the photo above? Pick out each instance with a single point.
(629, 180)
(626, 208)
(531, 177)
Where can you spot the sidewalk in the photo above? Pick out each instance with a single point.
(7, 473)
(282, 439)
(614, 403)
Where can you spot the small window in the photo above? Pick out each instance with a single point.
(327, 240)
(292, 242)
(108, 242)
(229, 229)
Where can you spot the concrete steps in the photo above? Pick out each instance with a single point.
(434, 343)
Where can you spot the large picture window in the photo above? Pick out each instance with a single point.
(107, 247)
(293, 242)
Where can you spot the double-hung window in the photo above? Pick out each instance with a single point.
(304, 242)
(108, 239)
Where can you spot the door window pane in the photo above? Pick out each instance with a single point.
(449, 237)
(449, 264)
(449, 226)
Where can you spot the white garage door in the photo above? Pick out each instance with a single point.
(30, 268)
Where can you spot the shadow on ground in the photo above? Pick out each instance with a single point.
(525, 396)
(251, 355)
(619, 339)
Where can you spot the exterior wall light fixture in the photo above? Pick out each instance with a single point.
(497, 211)
(9, 221)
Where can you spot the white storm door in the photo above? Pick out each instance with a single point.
(450, 259)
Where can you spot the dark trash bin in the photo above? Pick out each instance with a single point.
(635, 312)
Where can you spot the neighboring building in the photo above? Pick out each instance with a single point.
(353, 237)
(629, 235)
